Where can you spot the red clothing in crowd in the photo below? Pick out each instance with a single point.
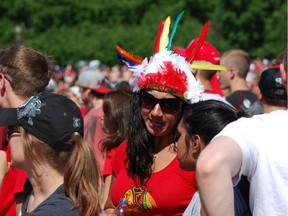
(170, 190)
(13, 182)
(215, 85)
(107, 169)
(93, 132)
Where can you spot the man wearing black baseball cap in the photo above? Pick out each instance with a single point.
(273, 95)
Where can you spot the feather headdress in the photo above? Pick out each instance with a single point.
(166, 70)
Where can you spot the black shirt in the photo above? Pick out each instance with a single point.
(246, 101)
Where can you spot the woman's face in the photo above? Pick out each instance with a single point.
(159, 121)
(186, 159)
(16, 145)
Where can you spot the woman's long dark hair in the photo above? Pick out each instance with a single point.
(140, 143)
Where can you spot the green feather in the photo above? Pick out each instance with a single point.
(174, 29)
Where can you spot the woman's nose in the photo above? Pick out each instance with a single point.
(157, 110)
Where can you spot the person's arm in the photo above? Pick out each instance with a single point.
(4, 166)
(218, 163)
(109, 206)
(19, 198)
(106, 189)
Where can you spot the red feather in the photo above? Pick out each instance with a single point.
(158, 38)
(168, 79)
(195, 49)
(129, 56)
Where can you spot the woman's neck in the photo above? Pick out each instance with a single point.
(164, 153)
(160, 143)
(44, 180)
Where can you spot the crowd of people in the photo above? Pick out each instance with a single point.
(118, 73)
(182, 132)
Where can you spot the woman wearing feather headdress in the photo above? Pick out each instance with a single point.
(146, 170)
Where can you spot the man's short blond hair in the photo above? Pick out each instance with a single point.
(237, 59)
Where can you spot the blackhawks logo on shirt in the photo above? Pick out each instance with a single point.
(139, 200)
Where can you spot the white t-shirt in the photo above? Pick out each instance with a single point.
(194, 207)
(263, 140)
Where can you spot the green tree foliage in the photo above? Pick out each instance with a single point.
(246, 24)
(73, 30)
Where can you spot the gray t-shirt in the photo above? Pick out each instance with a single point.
(57, 203)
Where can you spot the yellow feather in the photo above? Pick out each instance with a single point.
(164, 39)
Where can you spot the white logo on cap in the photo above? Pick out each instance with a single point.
(76, 122)
(278, 80)
(30, 108)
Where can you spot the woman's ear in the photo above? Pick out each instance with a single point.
(29, 137)
(196, 145)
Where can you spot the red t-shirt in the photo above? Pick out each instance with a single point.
(83, 110)
(13, 182)
(168, 191)
(94, 134)
(107, 169)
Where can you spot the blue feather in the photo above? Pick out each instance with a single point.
(125, 61)
(174, 29)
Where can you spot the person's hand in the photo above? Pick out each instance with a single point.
(4, 166)
(109, 212)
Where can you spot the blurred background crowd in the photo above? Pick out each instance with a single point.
(64, 79)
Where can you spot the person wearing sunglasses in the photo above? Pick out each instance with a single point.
(145, 166)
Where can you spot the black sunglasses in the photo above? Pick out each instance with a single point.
(167, 105)
(10, 130)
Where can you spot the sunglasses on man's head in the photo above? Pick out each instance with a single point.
(167, 105)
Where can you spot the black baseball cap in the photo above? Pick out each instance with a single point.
(50, 117)
(271, 85)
